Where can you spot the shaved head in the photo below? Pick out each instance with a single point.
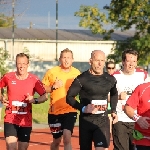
(97, 62)
(97, 52)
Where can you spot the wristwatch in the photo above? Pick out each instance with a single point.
(52, 88)
(36, 101)
(114, 111)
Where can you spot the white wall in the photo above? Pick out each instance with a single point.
(46, 49)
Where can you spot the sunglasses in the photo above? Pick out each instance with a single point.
(110, 67)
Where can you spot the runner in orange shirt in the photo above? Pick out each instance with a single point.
(61, 117)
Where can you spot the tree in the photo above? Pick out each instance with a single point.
(4, 56)
(5, 21)
(122, 15)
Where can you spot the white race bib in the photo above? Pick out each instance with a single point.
(19, 107)
(101, 105)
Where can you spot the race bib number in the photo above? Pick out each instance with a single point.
(55, 128)
(101, 105)
(19, 107)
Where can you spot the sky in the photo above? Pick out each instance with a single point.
(42, 13)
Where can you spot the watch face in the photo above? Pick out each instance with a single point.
(129, 92)
(36, 101)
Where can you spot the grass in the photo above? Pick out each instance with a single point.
(39, 112)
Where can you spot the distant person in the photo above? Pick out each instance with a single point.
(110, 67)
(21, 86)
(61, 116)
(93, 87)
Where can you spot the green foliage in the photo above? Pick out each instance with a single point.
(122, 15)
(5, 21)
(4, 55)
(92, 18)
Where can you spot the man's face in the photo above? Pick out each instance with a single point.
(97, 62)
(22, 65)
(130, 63)
(111, 68)
(66, 59)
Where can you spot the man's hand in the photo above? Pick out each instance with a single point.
(143, 123)
(122, 95)
(30, 98)
(58, 83)
(114, 118)
(90, 109)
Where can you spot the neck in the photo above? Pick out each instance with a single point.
(95, 73)
(65, 69)
(127, 72)
(21, 76)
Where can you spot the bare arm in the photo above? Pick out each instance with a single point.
(129, 111)
(38, 100)
(41, 99)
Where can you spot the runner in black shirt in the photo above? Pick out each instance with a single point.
(93, 87)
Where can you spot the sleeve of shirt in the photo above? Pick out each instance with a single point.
(47, 78)
(145, 75)
(3, 81)
(72, 93)
(113, 97)
(39, 88)
(134, 99)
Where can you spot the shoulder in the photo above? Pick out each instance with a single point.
(53, 70)
(84, 76)
(75, 70)
(143, 87)
(111, 78)
(140, 71)
(9, 75)
(117, 73)
(33, 76)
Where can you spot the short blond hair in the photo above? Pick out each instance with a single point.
(66, 50)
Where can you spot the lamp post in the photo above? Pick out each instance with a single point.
(13, 26)
(56, 28)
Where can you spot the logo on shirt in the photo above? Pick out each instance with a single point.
(148, 100)
(13, 82)
(100, 143)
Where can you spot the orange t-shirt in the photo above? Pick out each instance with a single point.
(58, 103)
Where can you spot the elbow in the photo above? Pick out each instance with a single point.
(127, 110)
(45, 97)
(68, 99)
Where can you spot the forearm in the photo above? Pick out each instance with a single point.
(73, 102)
(41, 99)
(1, 94)
(113, 102)
(130, 112)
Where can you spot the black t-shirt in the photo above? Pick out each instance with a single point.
(92, 87)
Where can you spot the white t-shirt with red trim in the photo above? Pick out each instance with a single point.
(127, 83)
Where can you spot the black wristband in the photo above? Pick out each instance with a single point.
(36, 101)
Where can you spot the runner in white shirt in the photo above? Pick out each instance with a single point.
(127, 80)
